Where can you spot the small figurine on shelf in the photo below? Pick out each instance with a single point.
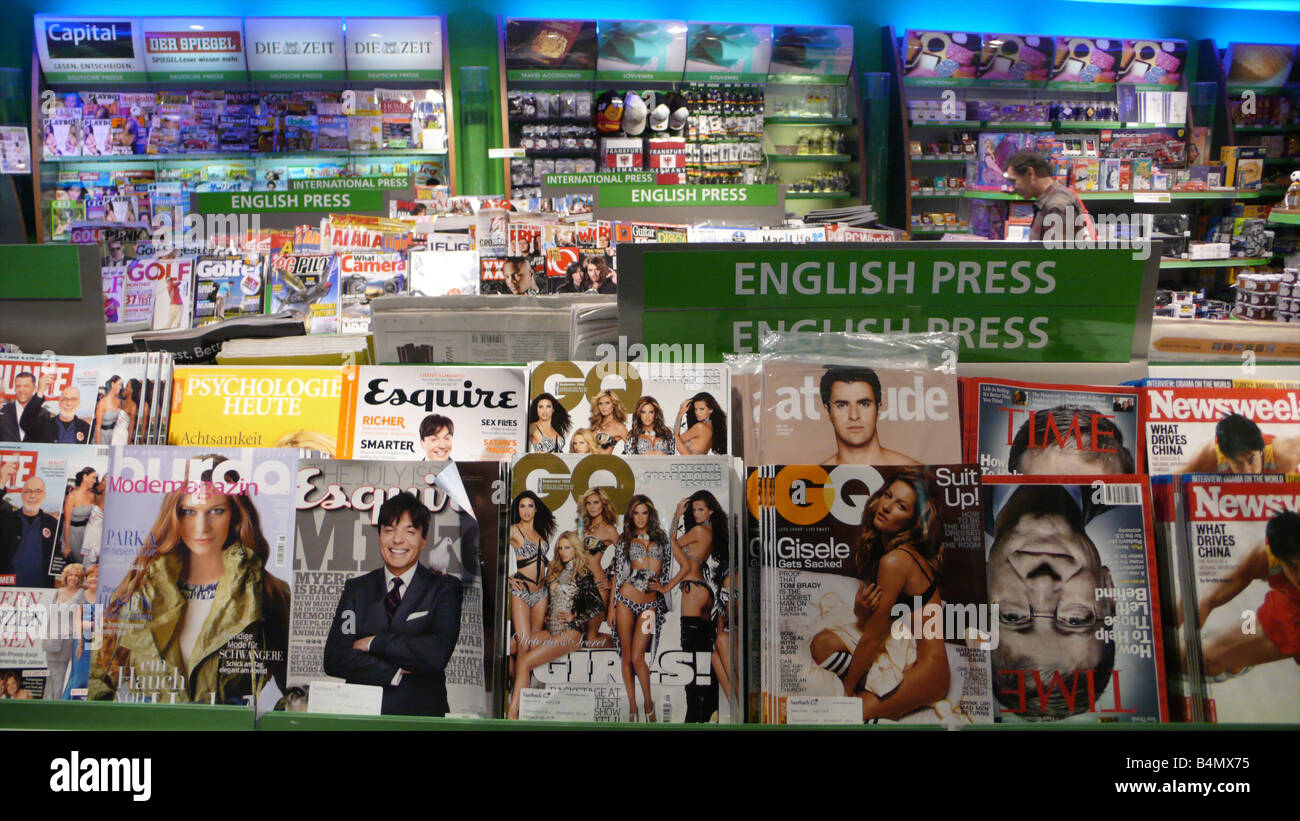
(1292, 198)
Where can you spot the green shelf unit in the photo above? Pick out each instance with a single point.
(992, 195)
(1085, 125)
(956, 195)
(1015, 126)
(1274, 161)
(937, 160)
(813, 158)
(109, 715)
(782, 120)
(937, 232)
(945, 124)
(1168, 264)
(1282, 218)
(1267, 129)
(829, 195)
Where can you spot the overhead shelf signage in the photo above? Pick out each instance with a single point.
(394, 48)
(1085, 63)
(90, 49)
(728, 52)
(646, 50)
(200, 49)
(1015, 60)
(285, 49)
(941, 58)
(550, 50)
(811, 54)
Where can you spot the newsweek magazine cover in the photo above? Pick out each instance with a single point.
(78, 399)
(308, 286)
(625, 408)
(1030, 428)
(1243, 557)
(433, 412)
(261, 406)
(196, 576)
(828, 532)
(438, 632)
(1072, 571)
(227, 287)
(1175, 588)
(1221, 430)
(642, 543)
(363, 277)
(838, 414)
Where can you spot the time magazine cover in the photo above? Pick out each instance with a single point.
(1243, 557)
(71, 399)
(616, 585)
(196, 576)
(1221, 430)
(873, 596)
(625, 408)
(433, 412)
(352, 538)
(840, 414)
(257, 406)
(1071, 569)
(1029, 428)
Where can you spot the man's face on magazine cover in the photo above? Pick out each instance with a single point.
(852, 410)
(400, 544)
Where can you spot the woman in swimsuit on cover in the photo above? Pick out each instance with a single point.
(583, 442)
(706, 426)
(548, 422)
(650, 436)
(572, 601)
(898, 559)
(641, 558)
(704, 535)
(531, 526)
(608, 421)
(599, 534)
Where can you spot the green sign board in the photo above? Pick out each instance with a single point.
(601, 178)
(548, 74)
(397, 182)
(1018, 302)
(674, 196)
(261, 202)
(40, 272)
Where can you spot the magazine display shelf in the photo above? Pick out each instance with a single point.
(90, 715)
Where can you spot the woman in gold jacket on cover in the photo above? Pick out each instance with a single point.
(198, 617)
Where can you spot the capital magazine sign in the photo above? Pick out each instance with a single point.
(90, 49)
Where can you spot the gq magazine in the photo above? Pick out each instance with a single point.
(196, 576)
(1244, 611)
(1031, 428)
(47, 586)
(828, 532)
(1082, 549)
(433, 412)
(337, 528)
(595, 407)
(617, 589)
(1221, 430)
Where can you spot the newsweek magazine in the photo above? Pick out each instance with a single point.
(592, 537)
(1243, 557)
(227, 287)
(363, 277)
(1175, 587)
(84, 399)
(261, 406)
(1030, 428)
(833, 414)
(830, 531)
(1221, 430)
(196, 576)
(339, 503)
(1072, 571)
(308, 286)
(433, 412)
(624, 408)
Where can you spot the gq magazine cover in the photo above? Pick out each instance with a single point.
(79, 399)
(1221, 430)
(433, 412)
(51, 521)
(617, 586)
(346, 650)
(1242, 553)
(1029, 428)
(196, 576)
(847, 414)
(627, 408)
(836, 654)
(1071, 568)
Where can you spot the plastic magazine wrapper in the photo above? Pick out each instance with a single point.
(920, 351)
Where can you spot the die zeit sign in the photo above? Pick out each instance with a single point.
(1007, 302)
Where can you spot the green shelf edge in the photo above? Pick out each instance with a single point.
(1284, 219)
(1212, 263)
(108, 715)
(782, 120)
(240, 155)
(828, 158)
(938, 159)
(1265, 129)
(1282, 161)
(834, 195)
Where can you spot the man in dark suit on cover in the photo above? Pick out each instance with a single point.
(396, 627)
(26, 535)
(24, 418)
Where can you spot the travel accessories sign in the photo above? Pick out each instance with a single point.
(90, 49)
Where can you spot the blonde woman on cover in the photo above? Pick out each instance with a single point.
(599, 534)
(583, 441)
(59, 648)
(607, 423)
(572, 600)
(309, 440)
(637, 610)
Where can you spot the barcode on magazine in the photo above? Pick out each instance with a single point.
(490, 339)
(280, 558)
(1117, 494)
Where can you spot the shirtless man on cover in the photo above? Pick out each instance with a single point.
(852, 400)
